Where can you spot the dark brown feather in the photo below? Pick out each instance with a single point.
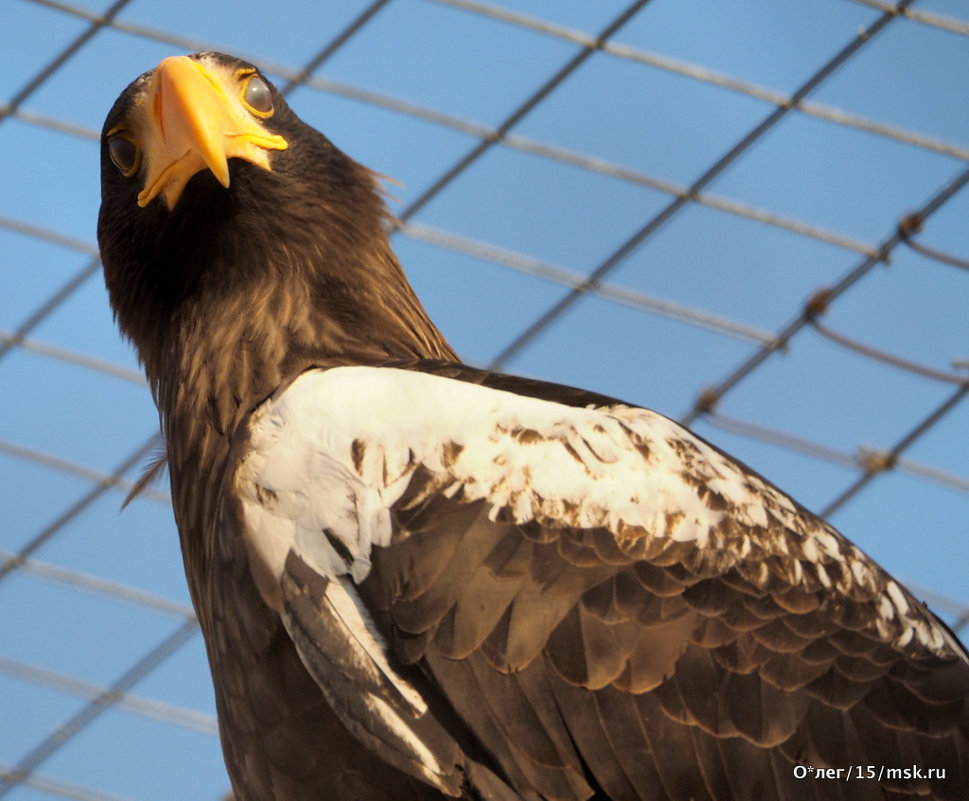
(557, 662)
(228, 298)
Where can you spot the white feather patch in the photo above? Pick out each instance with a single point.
(431, 768)
(332, 454)
(357, 622)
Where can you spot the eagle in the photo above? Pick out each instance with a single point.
(421, 580)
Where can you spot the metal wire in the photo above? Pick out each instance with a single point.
(867, 463)
(49, 306)
(49, 235)
(144, 707)
(578, 282)
(910, 226)
(510, 140)
(99, 586)
(60, 788)
(887, 460)
(925, 17)
(864, 457)
(886, 358)
(60, 59)
(110, 696)
(135, 458)
(333, 46)
(79, 470)
(10, 340)
(714, 78)
(525, 144)
(806, 314)
(521, 112)
(656, 222)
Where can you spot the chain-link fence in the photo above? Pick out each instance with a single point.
(750, 216)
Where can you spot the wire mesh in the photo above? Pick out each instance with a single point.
(750, 217)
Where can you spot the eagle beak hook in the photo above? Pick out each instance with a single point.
(194, 125)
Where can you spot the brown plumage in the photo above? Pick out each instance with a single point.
(425, 581)
(317, 273)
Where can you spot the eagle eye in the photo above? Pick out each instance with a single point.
(257, 95)
(124, 154)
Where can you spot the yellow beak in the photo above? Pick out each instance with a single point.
(194, 125)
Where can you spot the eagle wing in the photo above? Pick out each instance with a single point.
(497, 590)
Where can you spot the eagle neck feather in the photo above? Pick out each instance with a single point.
(230, 345)
(238, 290)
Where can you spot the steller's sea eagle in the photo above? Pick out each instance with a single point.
(421, 580)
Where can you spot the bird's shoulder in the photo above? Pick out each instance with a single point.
(346, 451)
(549, 571)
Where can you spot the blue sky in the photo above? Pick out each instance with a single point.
(633, 124)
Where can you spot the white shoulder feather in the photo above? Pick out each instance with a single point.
(332, 454)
